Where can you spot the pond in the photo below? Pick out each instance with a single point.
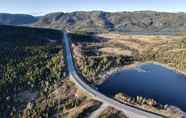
(150, 81)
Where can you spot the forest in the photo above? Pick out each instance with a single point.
(92, 62)
(30, 63)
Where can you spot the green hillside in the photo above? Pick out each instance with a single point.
(30, 60)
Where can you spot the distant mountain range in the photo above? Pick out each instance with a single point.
(99, 21)
(16, 19)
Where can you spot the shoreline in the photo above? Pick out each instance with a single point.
(108, 74)
(167, 67)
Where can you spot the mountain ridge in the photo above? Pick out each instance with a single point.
(100, 21)
(16, 19)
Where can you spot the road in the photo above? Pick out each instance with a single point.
(131, 112)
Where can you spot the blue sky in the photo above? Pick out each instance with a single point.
(40, 7)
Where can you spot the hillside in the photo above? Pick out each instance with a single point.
(33, 77)
(98, 21)
(16, 19)
(28, 62)
(146, 22)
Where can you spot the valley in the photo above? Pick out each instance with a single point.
(88, 73)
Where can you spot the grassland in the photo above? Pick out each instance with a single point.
(168, 50)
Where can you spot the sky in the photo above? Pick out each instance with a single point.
(41, 7)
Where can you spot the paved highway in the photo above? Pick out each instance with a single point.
(131, 112)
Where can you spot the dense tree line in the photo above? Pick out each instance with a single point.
(28, 61)
(91, 67)
(92, 63)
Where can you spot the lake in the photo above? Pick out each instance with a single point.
(150, 81)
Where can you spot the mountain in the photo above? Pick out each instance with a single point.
(99, 21)
(76, 21)
(16, 19)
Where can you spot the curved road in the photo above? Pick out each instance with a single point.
(131, 112)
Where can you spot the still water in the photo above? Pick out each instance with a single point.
(150, 81)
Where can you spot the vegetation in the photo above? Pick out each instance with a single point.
(91, 62)
(93, 55)
(138, 100)
(144, 22)
(91, 67)
(65, 101)
(29, 65)
(112, 113)
(32, 71)
(97, 55)
(33, 77)
(172, 54)
(148, 104)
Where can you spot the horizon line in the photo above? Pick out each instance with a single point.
(109, 11)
